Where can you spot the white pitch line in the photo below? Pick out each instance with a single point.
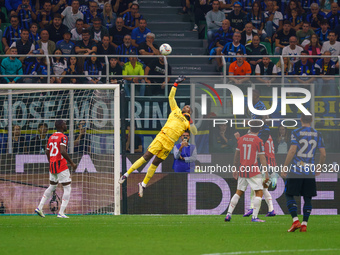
(272, 251)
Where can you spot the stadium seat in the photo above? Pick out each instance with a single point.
(3, 26)
(1, 48)
(4, 11)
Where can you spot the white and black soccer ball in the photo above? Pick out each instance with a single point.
(165, 49)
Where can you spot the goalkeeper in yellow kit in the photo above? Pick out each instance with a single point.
(178, 122)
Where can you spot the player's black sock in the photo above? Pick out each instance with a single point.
(307, 208)
(292, 206)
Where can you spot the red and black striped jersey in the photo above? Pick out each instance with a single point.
(270, 151)
(57, 162)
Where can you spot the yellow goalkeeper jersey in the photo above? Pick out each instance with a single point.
(176, 123)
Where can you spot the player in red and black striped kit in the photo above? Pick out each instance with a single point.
(56, 151)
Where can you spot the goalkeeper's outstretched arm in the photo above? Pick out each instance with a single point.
(172, 101)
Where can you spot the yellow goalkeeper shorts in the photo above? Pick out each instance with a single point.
(161, 146)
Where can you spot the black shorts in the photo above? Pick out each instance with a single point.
(300, 187)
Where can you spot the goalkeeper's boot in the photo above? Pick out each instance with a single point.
(180, 79)
(303, 228)
(257, 220)
(62, 216)
(122, 179)
(247, 214)
(40, 212)
(140, 189)
(296, 225)
(227, 218)
(271, 214)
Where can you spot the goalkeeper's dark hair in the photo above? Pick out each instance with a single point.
(257, 125)
(306, 118)
(58, 124)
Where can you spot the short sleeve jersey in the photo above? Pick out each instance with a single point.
(58, 163)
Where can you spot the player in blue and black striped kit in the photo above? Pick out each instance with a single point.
(301, 177)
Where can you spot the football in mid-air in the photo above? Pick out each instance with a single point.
(165, 49)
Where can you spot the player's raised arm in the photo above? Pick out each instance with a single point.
(172, 101)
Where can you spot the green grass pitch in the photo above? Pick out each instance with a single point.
(165, 234)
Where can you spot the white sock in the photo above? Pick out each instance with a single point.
(47, 194)
(295, 219)
(304, 223)
(268, 199)
(233, 203)
(257, 206)
(126, 175)
(252, 195)
(143, 184)
(66, 198)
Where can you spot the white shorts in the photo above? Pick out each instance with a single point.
(62, 177)
(255, 183)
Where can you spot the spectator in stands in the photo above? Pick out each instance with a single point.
(42, 70)
(120, 6)
(214, 20)
(296, 20)
(292, 49)
(131, 18)
(265, 67)
(282, 37)
(314, 47)
(38, 142)
(334, 16)
(104, 48)
(138, 142)
(230, 49)
(57, 29)
(201, 8)
(11, 66)
(239, 67)
(223, 140)
(185, 6)
(108, 17)
(304, 35)
(25, 14)
(133, 67)
(66, 46)
(326, 5)
(221, 38)
(59, 67)
(247, 34)
(45, 44)
(73, 69)
(45, 16)
(18, 141)
(86, 46)
(156, 67)
(293, 5)
(255, 48)
(185, 155)
(148, 48)
(71, 14)
(115, 69)
(92, 66)
(12, 33)
(77, 32)
(306, 4)
(34, 35)
(23, 46)
(97, 31)
(333, 46)
(82, 139)
(12, 6)
(118, 32)
(325, 85)
(315, 17)
(58, 6)
(282, 142)
(31, 65)
(323, 32)
(286, 69)
(274, 21)
(256, 17)
(90, 14)
(237, 18)
(138, 35)
(304, 68)
(126, 49)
